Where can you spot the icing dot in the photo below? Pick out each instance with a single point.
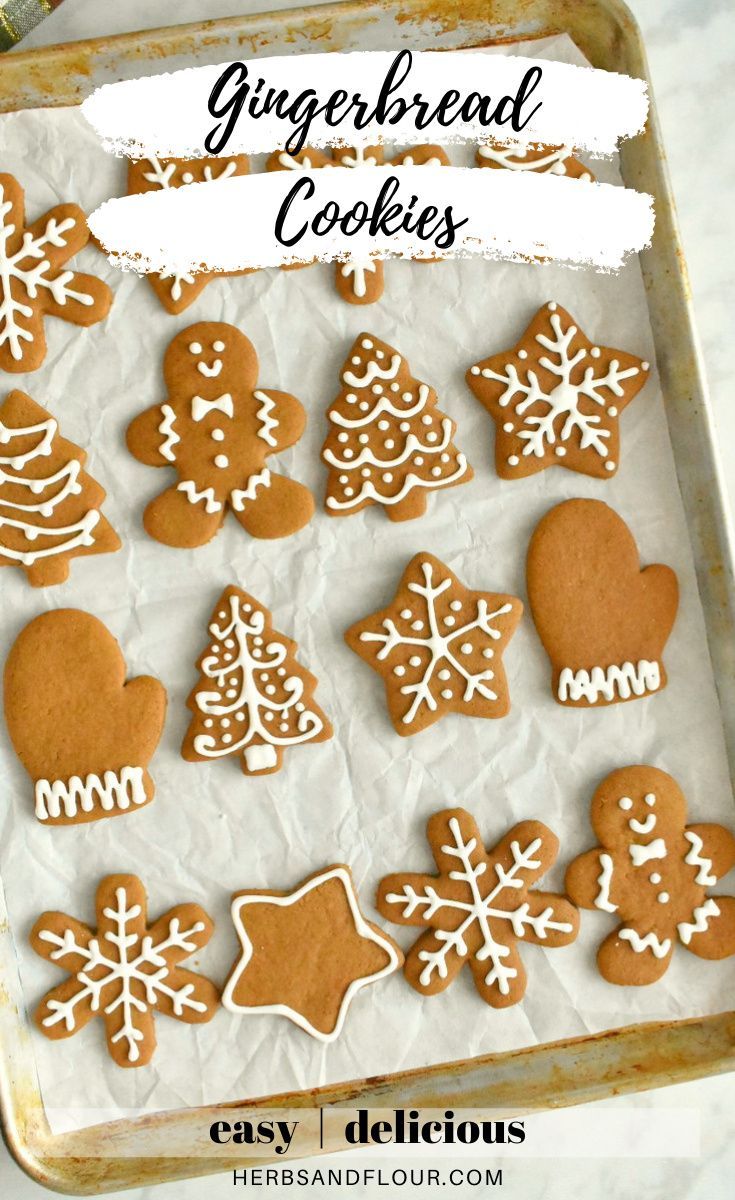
(387, 477)
(344, 479)
(383, 425)
(218, 346)
(404, 426)
(436, 472)
(227, 657)
(257, 641)
(221, 615)
(283, 726)
(363, 439)
(240, 716)
(399, 671)
(187, 177)
(300, 707)
(612, 411)
(269, 716)
(650, 799)
(552, 306)
(349, 491)
(226, 738)
(513, 460)
(455, 605)
(257, 653)
(523, 354)
(645, 366)
(351, 398)
(349, 453)
(466, 647)
(379, 354)
(395, 387)
(225, 722)
(364, 405)
(195, 347)
(595, 351)
(426, 419)
(281, 671)
(365, 472)
(231, 693)
(417, 458)
(655, 878)
(445, 674)
(342, 437)
(229, 643)
(449, 622)
(474, 370)
(406, 396)
(417, 625)
(560, 451)
(663, 897)
(270, 689)
(217, 435)
(447, 693)
(389, 443)
(508, 427)
(625, 803)
(445, 458)
(488, 653)
(406, 614)
(414, 661)
(208, 723)
(610, 465)
(431, 437)
(355, 360)
(366, 344)
(221, 460)
(377, 388)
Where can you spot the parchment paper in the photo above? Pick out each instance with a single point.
(364, 797)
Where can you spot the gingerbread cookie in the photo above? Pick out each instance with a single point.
(652, 872)
(388, 442)
(358, 280)
(306, 953)
(438, 646)
(217, 428)
(551, 160)
(124, 970)
(33, 281)
(83, 734)
(556, 398)
(49, 506)
(176, 291)
(253, 698)
(479, 907)
(603, 621)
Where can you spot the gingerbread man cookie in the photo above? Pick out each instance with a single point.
(217, 428)
(651, 872)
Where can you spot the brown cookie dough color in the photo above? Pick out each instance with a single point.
(217, 428)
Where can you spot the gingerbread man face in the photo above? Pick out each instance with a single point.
(216, 427)
(652, 871)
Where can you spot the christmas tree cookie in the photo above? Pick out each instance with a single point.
(49, 506)
(545, 160)
(253, 698)
(388, 442)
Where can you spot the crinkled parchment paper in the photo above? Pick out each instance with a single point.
(364, 797)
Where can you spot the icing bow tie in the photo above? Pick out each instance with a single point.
(200, 407)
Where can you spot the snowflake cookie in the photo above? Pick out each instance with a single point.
(33, 281)
(438, 646)
(479, 907)
(253, 698)
(546, 160)
(556, 398)
(83, 734)
(176, 292)
(603, 621)
(125, 970)
(652, 872)
(306, 953)
(217, 428)
(49, 506)
(359, 280)
(388, 442)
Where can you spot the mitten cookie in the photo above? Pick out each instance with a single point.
(603, 621)
(124, 970)
(388, 442)
(652, 871)
(551, 160)
(49, 506)
(438, 646)
(83, 734)
(176, 292)
(217, 428)
(253, 698)
(33, 281)
(479, 907)
(358, 280)
(556, 398)
(306, 953)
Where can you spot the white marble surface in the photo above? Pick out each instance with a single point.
(691, 46)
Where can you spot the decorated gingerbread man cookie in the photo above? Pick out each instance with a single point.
(216, 427)
(652, 872)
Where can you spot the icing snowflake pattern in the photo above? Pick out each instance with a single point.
(556, 398)
(479, 907)
(125, 970)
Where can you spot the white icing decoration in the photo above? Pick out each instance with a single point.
(201, 408)
(140, 986)
(658, 947)
(366, 931)
(625, 803)
(238, 496)
(646, 826)
(28, 271)
(115, 790)
(267, 422)
(358, 269)
(626, 680)
(640, 855)
(168, 433)
(438, 645)
(413, 443)
(373, 371)
(210, 372)
(189, 488)
(239, 671)
(480, 911)
(700, 921)
(695, 858)
(539, 432)
(604, 879)
(384, 405)
(515, 158)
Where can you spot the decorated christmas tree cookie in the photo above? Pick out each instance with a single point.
(388, 441)
(253, 698)
(551, 160)
(49, 506)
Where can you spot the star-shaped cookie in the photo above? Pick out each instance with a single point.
(306, 953)
(438, 646)
(556, 398)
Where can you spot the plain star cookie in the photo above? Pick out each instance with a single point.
(438, 647)
(253, 698)
(49, 506)
(83, 734)
(388, 441)
(652, 872)
(124, 970)
(556, 398)
(358, 280)
(479, 907)
(176, 291)
(603, 621)
(546, 160)
(35, 281)
(216, 428)
(306, 953)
